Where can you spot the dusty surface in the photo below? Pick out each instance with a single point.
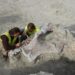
(41, 12)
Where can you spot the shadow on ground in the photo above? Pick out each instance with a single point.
(58, 67)
(10, 19)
